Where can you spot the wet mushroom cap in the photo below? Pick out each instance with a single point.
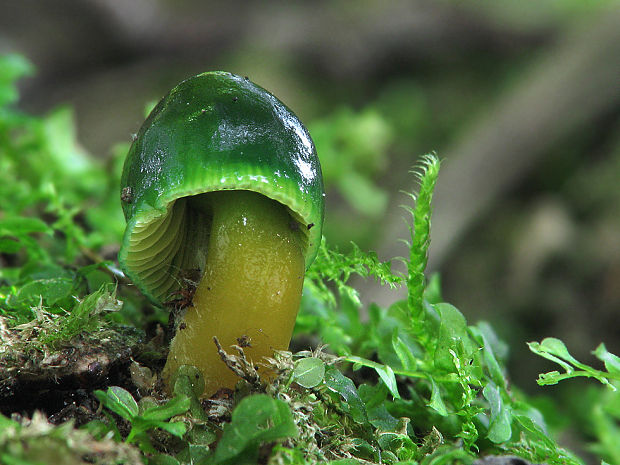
(213, 132)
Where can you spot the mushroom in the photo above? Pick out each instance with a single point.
(222, 178)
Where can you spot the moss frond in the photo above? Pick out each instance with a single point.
(426, 172)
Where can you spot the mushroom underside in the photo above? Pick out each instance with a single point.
(165, 250)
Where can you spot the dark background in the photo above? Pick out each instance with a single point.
(519, 99)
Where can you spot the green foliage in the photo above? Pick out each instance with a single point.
(553, 349)
(420, 235)
(598, 410)
(353, 148)
(45, 173)
(309, 372)
(58, 207)
(84, 317)
(60, 182)
(12, 68)
(257, 419)
(335, 267)
(142, 417)
(52, 330)
(437, 370)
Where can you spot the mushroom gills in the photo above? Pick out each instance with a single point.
(250, 287)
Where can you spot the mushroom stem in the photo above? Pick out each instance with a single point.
(250, 287)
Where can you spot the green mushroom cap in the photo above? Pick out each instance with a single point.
(212, 132)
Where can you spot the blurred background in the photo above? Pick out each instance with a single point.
(521, 101)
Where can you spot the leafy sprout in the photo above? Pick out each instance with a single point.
(555, 350)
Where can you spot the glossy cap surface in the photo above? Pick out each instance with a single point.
(215, 131)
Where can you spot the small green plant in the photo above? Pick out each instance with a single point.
(142, 417)
(554, 349)
(258, 419)
(600, 408)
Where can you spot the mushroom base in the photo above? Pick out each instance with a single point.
(250, 289)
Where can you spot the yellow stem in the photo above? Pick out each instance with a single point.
(250, 288)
